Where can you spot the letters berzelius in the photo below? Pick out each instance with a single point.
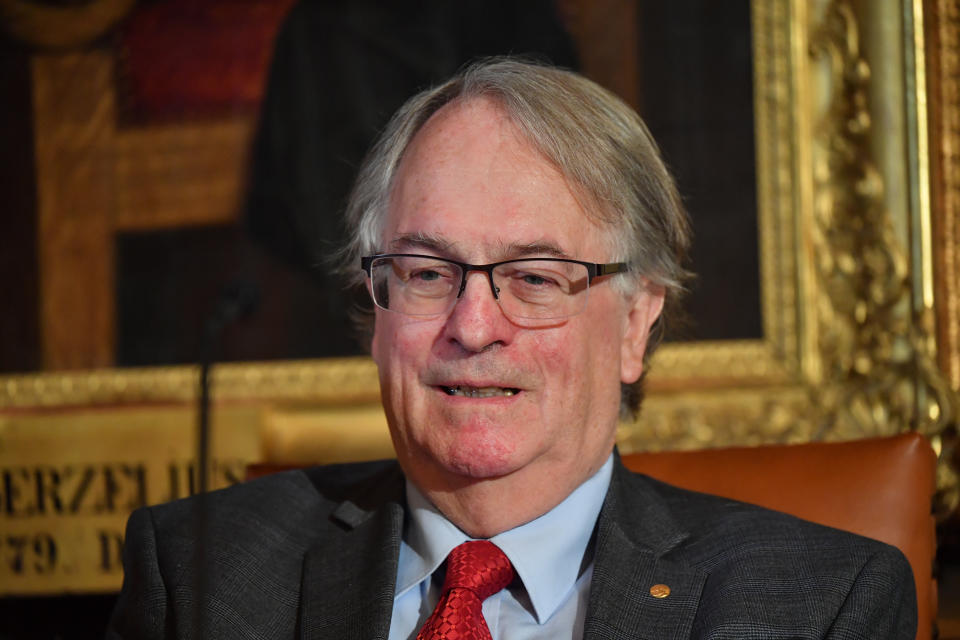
(47, 493)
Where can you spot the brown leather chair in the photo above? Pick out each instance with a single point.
(879, 487)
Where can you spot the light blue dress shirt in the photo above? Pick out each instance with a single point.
(549, 554)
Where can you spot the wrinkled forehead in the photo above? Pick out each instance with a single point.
(471, 176)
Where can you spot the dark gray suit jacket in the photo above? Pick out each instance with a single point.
(313, 554)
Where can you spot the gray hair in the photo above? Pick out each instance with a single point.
(591, 136)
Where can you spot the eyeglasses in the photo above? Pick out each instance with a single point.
(536, 288)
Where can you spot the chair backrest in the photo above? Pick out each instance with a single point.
(881, 488)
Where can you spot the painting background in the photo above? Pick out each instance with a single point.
(339, 70)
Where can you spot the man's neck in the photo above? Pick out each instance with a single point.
(483, 508)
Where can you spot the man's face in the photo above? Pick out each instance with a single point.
(471, 189)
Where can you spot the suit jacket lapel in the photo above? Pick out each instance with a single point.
(349, 577)
(635, 537)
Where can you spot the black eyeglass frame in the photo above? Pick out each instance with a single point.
(594, 269)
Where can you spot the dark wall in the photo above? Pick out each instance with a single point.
(19, 336)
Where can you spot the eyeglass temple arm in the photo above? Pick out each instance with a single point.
(611, 268)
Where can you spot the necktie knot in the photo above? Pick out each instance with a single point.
(480, 566)
(475, 571)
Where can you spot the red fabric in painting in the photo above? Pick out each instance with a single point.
(197, 57)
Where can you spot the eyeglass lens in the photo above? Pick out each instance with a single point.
(534, 289)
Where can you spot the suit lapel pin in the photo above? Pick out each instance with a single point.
(660, 591)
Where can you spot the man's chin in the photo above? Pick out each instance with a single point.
(481, 463)
(480, 469)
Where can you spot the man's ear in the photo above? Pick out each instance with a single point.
(641, 314)
(374, 335)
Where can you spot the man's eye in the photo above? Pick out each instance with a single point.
(427, 275)
(538, 280)
(534, 279)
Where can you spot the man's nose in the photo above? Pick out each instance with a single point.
(477, 321)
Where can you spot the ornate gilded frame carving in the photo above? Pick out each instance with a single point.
(849, 349)
(844, 184)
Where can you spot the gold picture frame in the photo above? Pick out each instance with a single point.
(837, 361)
(857, 119)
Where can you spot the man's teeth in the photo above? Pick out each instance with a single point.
(479, 392)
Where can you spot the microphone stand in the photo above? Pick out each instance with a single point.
(236, 302)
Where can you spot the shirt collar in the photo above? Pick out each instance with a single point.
(547, 553)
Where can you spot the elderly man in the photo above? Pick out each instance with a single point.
(519, 236)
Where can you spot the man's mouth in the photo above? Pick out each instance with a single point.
(479, 392)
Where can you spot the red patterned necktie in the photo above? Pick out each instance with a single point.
(475, 571)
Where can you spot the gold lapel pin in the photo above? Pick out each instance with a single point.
(659, 591)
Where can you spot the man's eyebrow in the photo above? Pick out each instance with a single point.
(419, 241)
(422, 242)
(541, 248)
